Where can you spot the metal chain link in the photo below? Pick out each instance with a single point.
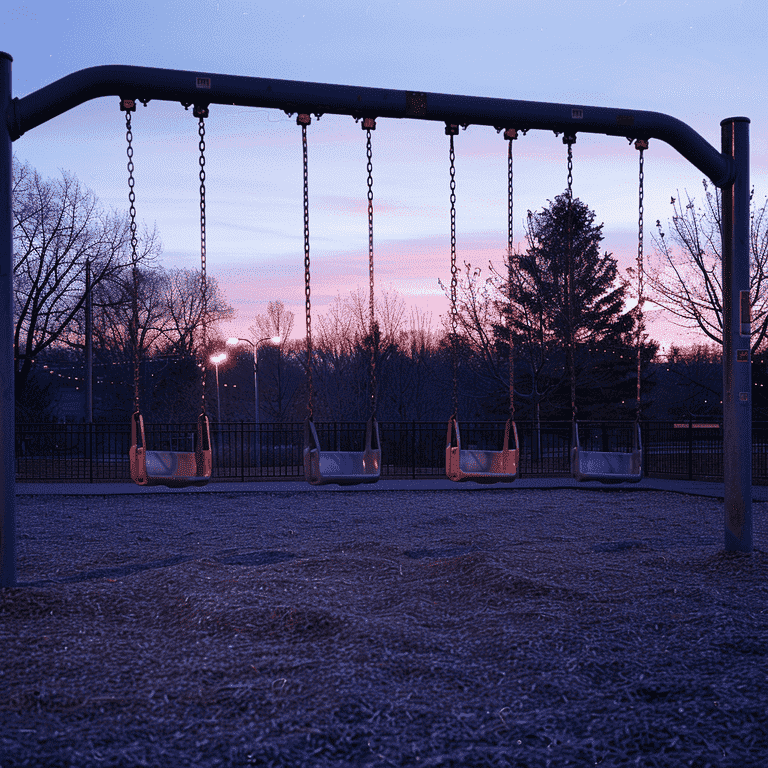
(307, 294)
(454, 285)
(374, 334)
(134, 260)
(641, 145)
(510, 135)
(203, 275)
(570, 140)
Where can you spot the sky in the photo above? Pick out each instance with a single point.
(699, 61)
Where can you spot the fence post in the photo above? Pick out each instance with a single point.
(90, 450)
(645, 428)
(690, 448)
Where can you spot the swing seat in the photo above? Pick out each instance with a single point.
(173, 469)
(607, 466)
(342, 467)
(485, 467)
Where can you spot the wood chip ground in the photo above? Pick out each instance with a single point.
(408, 628)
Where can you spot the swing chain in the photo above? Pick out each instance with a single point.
(510, 135)
(201, 132)
(128, 106)
(641, 145)
(454, 279)
(368, 125)
(201, 114)
(304, 120)
(570, 140)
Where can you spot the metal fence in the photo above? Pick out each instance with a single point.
(245, 451)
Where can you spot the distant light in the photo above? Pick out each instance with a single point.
(216, 359)
(233, 342)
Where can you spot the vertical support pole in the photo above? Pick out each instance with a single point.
(88, 345)
(7, 400)
(737, 378)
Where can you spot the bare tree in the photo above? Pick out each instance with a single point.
(480, 310)
(183, 309)
(113, 316)
(686, 273)
(341, 383)
(277, 322)
(281, 385)
(410, 384)
(57, 226)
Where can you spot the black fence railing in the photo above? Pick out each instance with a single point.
(245, 451)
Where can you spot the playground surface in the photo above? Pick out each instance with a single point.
(456, 626)
(693, 487)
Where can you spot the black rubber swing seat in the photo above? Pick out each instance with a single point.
(481, 466)
(607, 466)
(173, 469)
(342, 467)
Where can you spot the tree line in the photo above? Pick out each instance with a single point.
(529, 309)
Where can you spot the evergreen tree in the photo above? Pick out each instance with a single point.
(603, 333)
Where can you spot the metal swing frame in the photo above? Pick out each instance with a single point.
(607, 467)
(172, 469)
(322, 467)
(462, 464)
(727, 167)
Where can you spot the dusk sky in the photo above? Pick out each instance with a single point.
(698, 61)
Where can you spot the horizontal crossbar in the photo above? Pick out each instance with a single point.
(293, 96)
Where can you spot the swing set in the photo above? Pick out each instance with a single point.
(321, 467)
(727, 169)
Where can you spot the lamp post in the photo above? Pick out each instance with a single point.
(233, 342)
(217, 360)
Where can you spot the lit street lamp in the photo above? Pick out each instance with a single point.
(233, 342)
(217, 360)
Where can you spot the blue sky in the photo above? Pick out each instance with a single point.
(698, 61)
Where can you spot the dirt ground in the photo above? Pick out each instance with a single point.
(405, 628)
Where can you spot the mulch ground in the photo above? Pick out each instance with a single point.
(410, 628)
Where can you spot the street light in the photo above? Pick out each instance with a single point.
(217, 360)
(233, 342)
